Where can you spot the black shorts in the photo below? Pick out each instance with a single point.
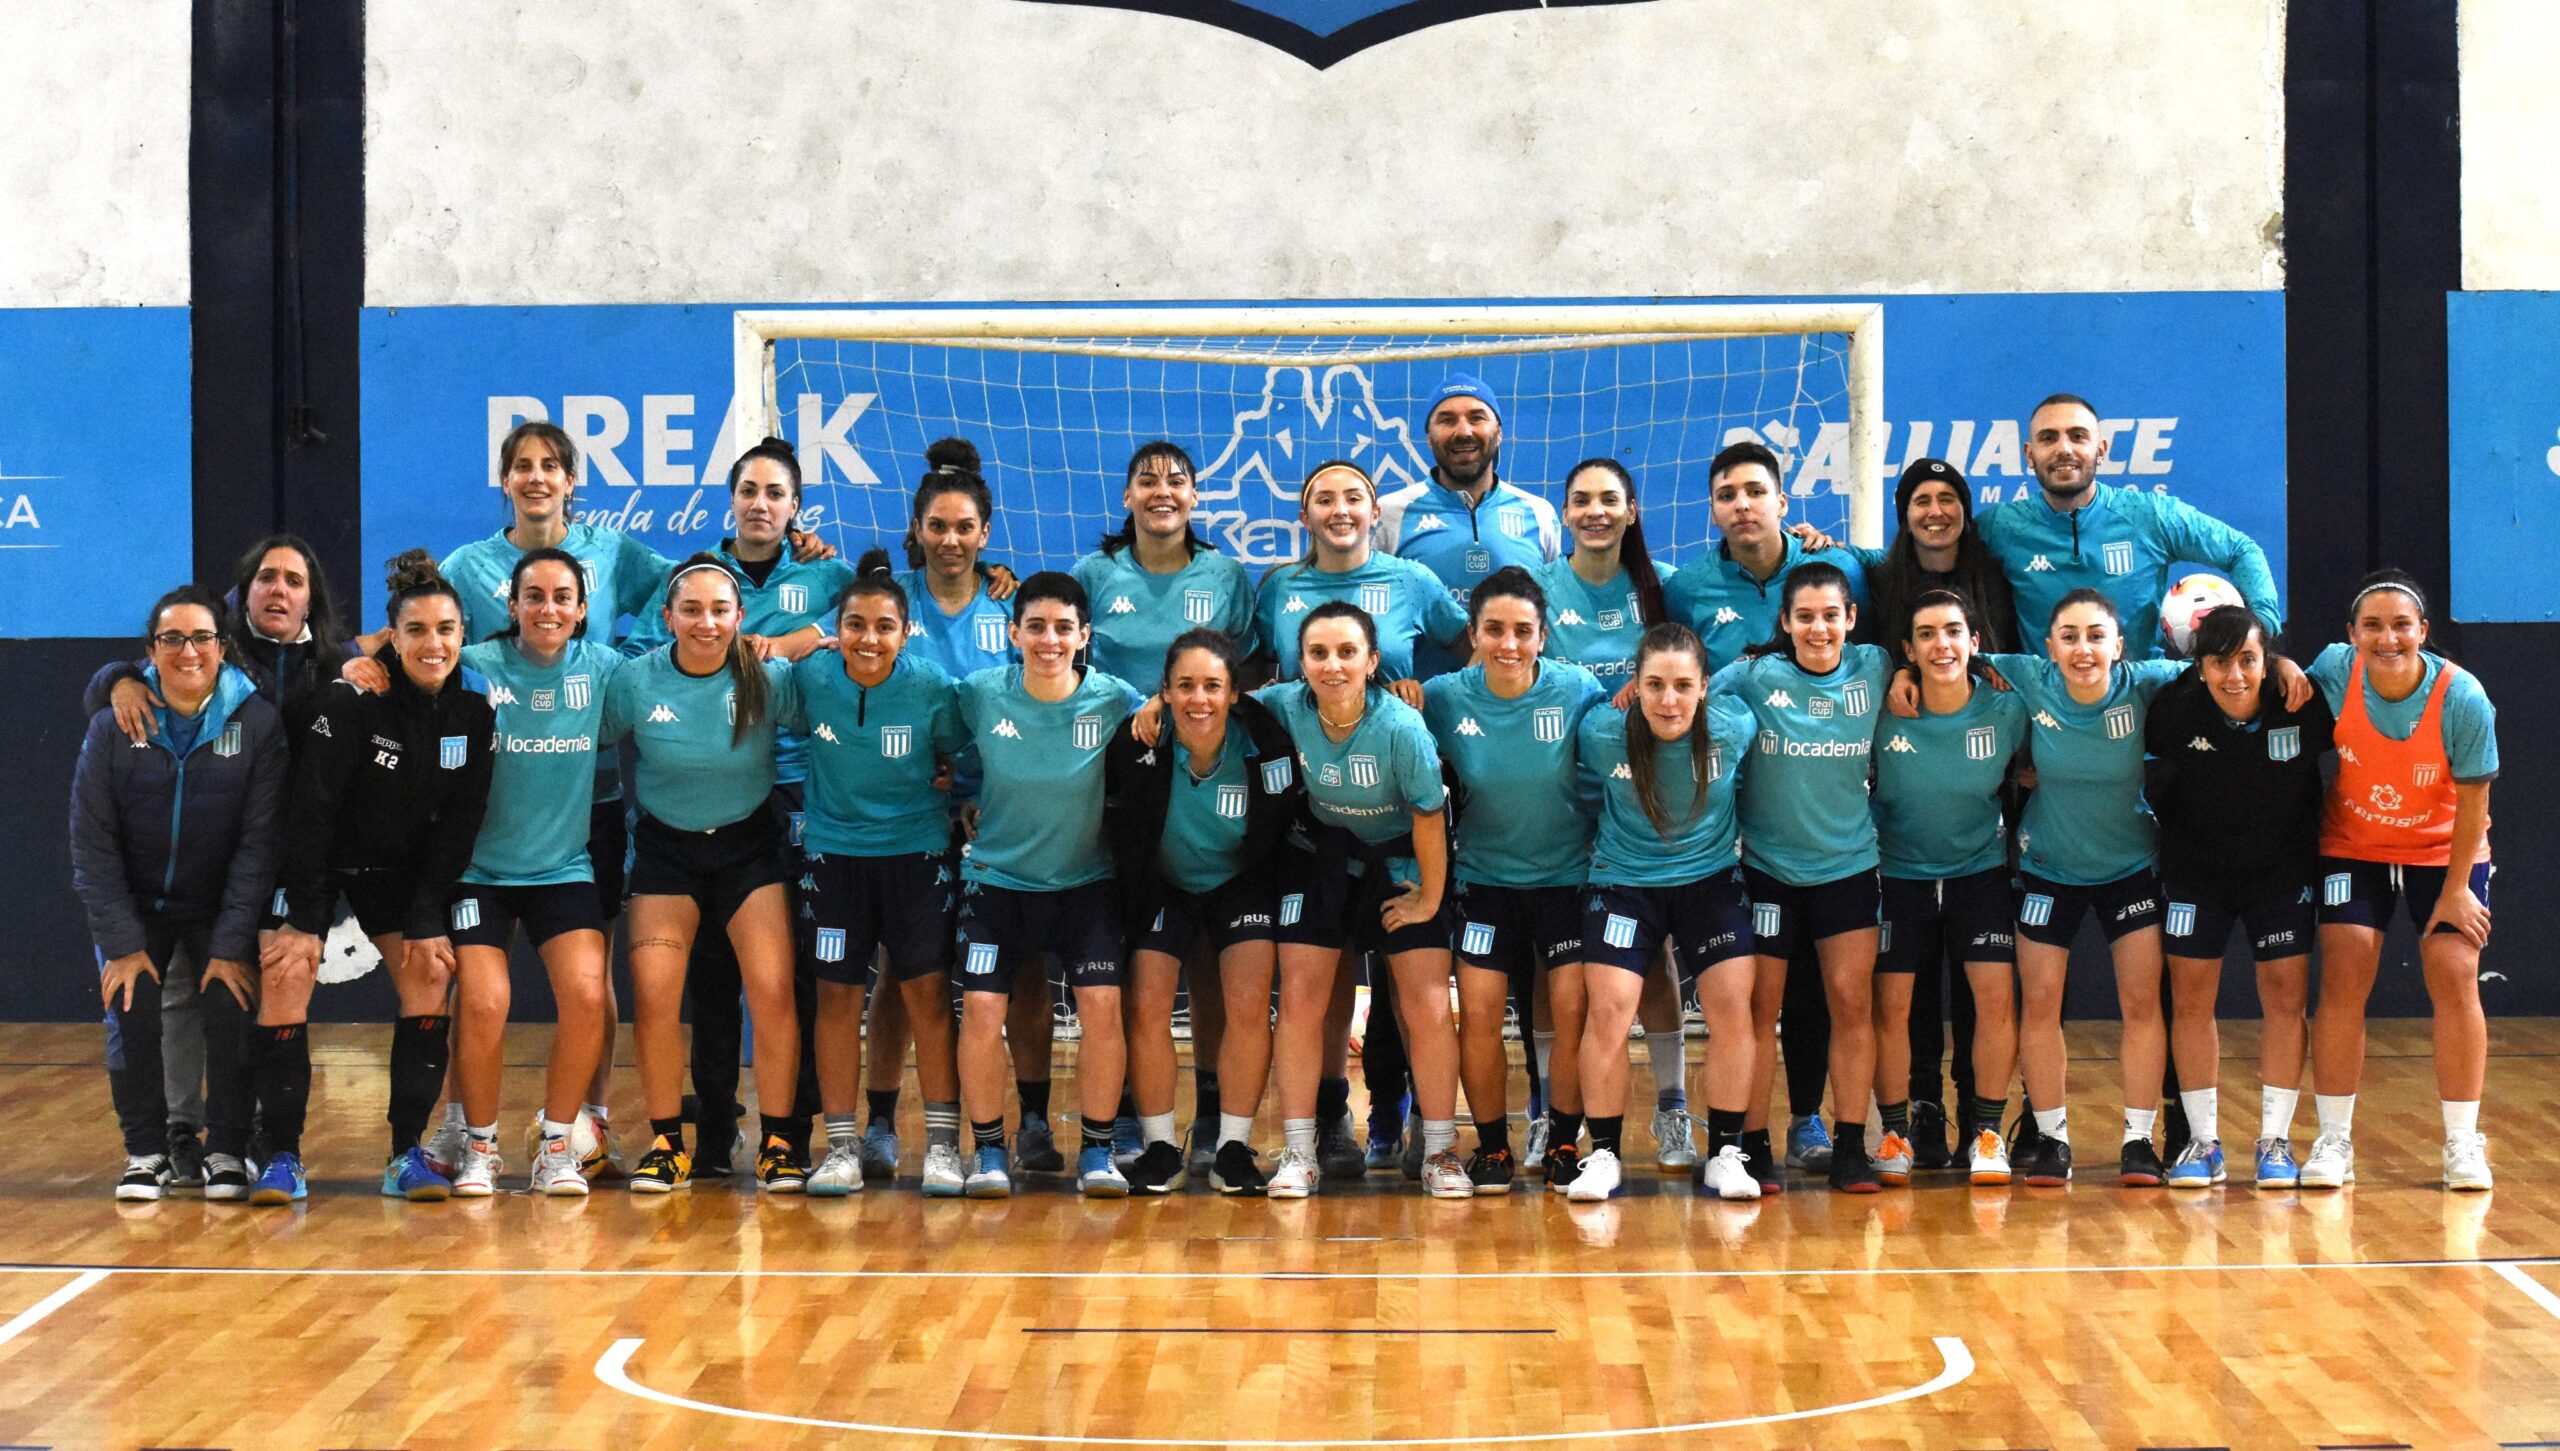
(609, 850)
(1784, 915)
(1001, 930)
(719, 869)
(486, 916)
(1972, 918)
(379, 901)
(1518, 931)
(2198, 923)
(2362, 894)
(1332, 898)
(1710, 920)
(852, 908)
(2050, 912)
(1231, 912)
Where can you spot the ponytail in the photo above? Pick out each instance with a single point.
(413, 575)
(1633, 554)
(746, 673)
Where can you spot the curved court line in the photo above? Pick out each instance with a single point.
(612, 1368)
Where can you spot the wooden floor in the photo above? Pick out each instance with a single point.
(1942, 1316)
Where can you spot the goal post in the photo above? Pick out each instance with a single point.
(1055, 398)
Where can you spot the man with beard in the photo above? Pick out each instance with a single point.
(1464, 522)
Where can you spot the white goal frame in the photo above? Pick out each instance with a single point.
(1033, 328)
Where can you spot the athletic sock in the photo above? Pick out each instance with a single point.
(1035, 1096)
(1493, 1134)
(2204, 1113)
(784, 1126)
(1095, 1133)
(281, 1068)
(670, 1129)
(1668, 1053)
(1848, 1138)
(1128, 1105)
(482, 1135)
(1986, 1114)
(1605, 1129)
(2460, 1118)
(2138, 1123)
(1299, 1134)
(987, 1135)
(842, 1130)
(1564, 1129)
(1155, 1128)
(1234, 1128)
(2275, 1112)
(1755, 1142)
(418, 1050)
(882, 1106)
(2337, 1113)
(1896, 1117)
(941, 1124)
(1438, 1134)
(456, 1115)
(2054, 1124)
(1333, 1099)
(1724, 1126)
(554, 1129)
(601, 1114)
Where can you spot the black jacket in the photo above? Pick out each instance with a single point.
(392, 783)
(1138, 790)
(2239, 810)
(286, 673)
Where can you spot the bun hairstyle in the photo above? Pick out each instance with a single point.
(951, 467)
(1816, 575)
(1213, 641)
(1643, 766)
(746, 673)
(871, 577)
(196, 594)
(2085, 596)
(515, 585)
(1634, 556)
(1509, 582)
(777, 449)
(413, 576)
(1174, 454)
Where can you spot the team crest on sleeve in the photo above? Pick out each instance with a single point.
(2284, 743)
(1231, 802)
(1088, 732)
(452, 751)
(1477, 940)
(2119, 722)
(830, 944)
(228, 743)
(1199, 606)
(896, 741)
(2117, 557)
(1364, 770)
(1981, 743)
(1374, 598)
(1853, 698)
(577, 690)
(989, 633)
(1547, 723)
(795, 598)
(1275, 776)
(2423, 774)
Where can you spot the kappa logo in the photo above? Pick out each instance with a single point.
(1327, 34)
(664, 714)
(1477, 940)
(500, 695)
(1570, 617)
(2201, 744)
(2117, 558)
(830, 944)
(1374, 598)
(1547, 723)
(896, 741)
(1780, 700)
(1006, 729)
(320, 725)
(545, 700)
(2045, 719)
(795, 599)
(1231, 802)
(1981, 743)
(1902, 745)
(229, 742)
(1121, 606)
(1294, 606)
(809, 880)
(914, 628)
(2284, 743)
(2386, 797)
(1468, 727)
(2039, 565)
(1619, 772)
(1429, 522)
(1364, 770)
(577, 690)
(142, 745)
(1199, 606)
(827, 733)
(1728, 615)
(2119, 722)
(1276, 776)
(2423, 774)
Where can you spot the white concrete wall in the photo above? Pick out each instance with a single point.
(596, 151)
(2510, 119)
(93, 153)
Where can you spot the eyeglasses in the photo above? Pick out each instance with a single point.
(173, 640)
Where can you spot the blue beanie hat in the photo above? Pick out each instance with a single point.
(1464, 385)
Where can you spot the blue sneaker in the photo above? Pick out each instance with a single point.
(1127, 1141)
(2199, 1165)
(281, 1181)
(1808, 1144)
(1097, 1176)
(2276, 1168)
(411, 1177)
(988, 1178)
(878, 1152)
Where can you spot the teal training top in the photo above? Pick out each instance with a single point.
(793, 597)
(1372, 782)
(1406, 600)
(1523, 820)
(542, 771)
(624, 577)
(1594, 626)
(872, 756)
(2470, 724)
(1137, 615)
(1040, 807)
(977, 638)
(1628, 851)
(2086, 824)
(1204, 820)
(690, 776)
(1805, 818)
(1937, 795)
(2121, 544)
(1731, 610)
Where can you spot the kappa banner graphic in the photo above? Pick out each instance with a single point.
(1322, 32)
(2503, 389)
(2190, 387)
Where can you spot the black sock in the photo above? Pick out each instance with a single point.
(1724, 1126)
(1493, 1134)
(1986, 1114)
(1035, 1096)
(418, 1052)
(1204, 1096)
(281, 1068)
(1896, 1117)
(1755, 1143)
(1604, 1131)
(884, 1105)
(1848, 1138)
(784, 1127)
(1097, 1135)
(1128, 1105)
(988, 1135)
(1564, 1129)
(670, 1129)
(1333, 1099)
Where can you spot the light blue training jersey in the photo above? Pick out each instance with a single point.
(2121, 544)
(1138, 615)
(1523, 820)
(1407, 601)
(1937, 789)
(977, 638)
(2086, 824)
(690, 776)
(1205, 817)
(1040, 804)
(1461, 543)
(1731, 610)
(542, 770)
(1805, 813)
(1594, 626)
(873, 753)
(1371, 782)
(793, 597)
(1628, 850)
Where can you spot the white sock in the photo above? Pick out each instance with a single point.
(1437, 1135)
(601, 1114)
(1668, 1052)
(2275, 1112)
(2461, 1118)
(2337, 1113)
(555, 1130)
(1542, 1050)
(453, 1115)
(2138, 1122)
(2204, 1113)
(1299, 1134)
(1156, 1128)
(2054, 1123)
(1235, 1128)
(483, 1133)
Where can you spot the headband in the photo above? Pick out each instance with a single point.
(678, 577)
(2396, 587)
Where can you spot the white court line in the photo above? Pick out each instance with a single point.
(2533, 1289)
(1956, 1365)
(27, 1319)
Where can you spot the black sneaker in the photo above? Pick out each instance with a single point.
(1852, 1170)
(2174, 1133)
(186, 1159)
(2025, 1138)
(2051, 1166)
(1158, 1169)
(1235, 1172)
(226, 1179)
(1563, 1166)
(2141, 1167)
(1490, 1171)
(1929, 1136)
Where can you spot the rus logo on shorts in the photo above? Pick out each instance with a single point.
(1364, 770)
(2284, 743)
(1981, 742)
(1088, 732)
(1231, 802)
(988, 631)
(1199, 606)
(576, 690)
(896, 741)
(1547, 723)
(1373, 598)
(2119, 719)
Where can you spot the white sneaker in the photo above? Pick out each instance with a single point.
(1598, 1180)
(1990, 1164)
(2332, 1164)
(2466, 1161)
(447, 1145)
(943, 1176)
(1676, 1143)
(1444, 1176)
(556, 1173)
(476, 1177)
(838, 1174)
(1728, 1175)
(1542, 1131)
(1296, 1174)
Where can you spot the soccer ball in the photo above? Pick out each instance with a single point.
(2190, 600)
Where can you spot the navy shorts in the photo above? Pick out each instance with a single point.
(1518, 931)
(379, 901)
(1230, 913)
(1331, 898)
(2362, 894)
(1002, 929)
(854, 908)
(1783, 915)
(719, 869)
(2199, 923)
(486, 916)
(1709, 919)
(2050, 912)
(1972, 918)
(609, 849)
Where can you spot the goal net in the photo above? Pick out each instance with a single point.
(1056, 400)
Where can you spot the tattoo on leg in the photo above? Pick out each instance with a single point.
(666, 942)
